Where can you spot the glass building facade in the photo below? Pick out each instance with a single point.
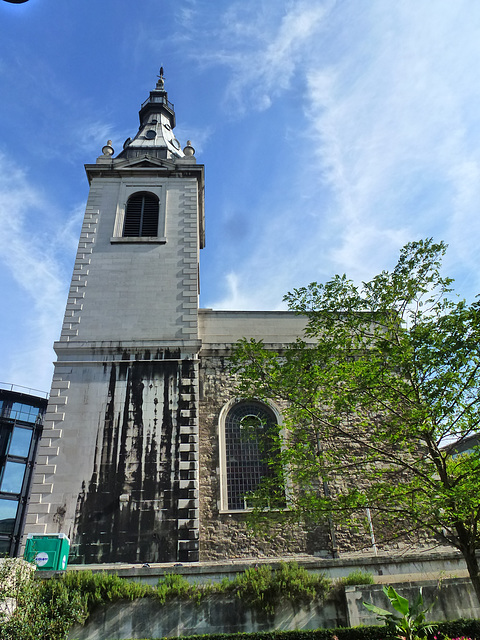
(21, 416)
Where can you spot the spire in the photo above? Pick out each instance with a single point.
(155, 135)
(161, 81)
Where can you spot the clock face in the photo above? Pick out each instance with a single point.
(150, 134)
(176, 143)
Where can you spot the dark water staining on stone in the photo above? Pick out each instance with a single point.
(127, 512)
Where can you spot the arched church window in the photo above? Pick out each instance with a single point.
(249, 429)
(141, 215)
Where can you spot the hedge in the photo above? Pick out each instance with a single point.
(462, 628)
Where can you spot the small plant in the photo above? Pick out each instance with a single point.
(264, 588)
(173, 585)
(356, 577)
(411, 624)
(99, 588)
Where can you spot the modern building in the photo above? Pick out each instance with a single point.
(21, 415)
(142, 457)
(464, 445)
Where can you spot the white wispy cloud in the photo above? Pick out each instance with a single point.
(261, 45)
(392, 136)
(92, 135)
(28, 254)
(267, 72)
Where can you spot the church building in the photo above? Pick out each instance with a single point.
(142, 457)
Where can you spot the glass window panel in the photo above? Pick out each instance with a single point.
(13, 477)
(5, 547)
(20, 443)
(23, 412)
(8, 513)
(5, 434)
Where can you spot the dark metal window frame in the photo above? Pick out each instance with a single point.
(7, 425)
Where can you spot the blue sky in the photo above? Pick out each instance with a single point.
(332, 133)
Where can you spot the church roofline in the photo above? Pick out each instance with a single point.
(166, 168)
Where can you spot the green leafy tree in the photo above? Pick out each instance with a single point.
(385, 375)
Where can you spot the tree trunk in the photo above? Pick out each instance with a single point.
(473, 570)
(469, 555)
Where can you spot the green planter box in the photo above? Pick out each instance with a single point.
(49, 551)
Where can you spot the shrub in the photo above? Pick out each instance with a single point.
(100, 588)
(356, 577)
(45, 611)
(173, 585)
(264, 588)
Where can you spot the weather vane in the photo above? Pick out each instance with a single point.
(161, 80)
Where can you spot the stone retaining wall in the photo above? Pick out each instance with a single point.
(147, 618)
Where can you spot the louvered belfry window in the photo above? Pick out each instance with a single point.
(141, 216)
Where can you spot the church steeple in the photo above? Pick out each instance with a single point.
(128, 361)
(155, 135)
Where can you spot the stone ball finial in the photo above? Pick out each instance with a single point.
(108, 150)
(189, 150)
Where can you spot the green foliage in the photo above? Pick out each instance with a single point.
(457, 628)
(260, 587)
(385, 373)
(357, 577)
(264, 588)
(99, 588)
(450, 629)
(50, 607)
(42, 610)
(411, 624)
(173, 585)
(47, 608)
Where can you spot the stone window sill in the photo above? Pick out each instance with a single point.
(139, 240)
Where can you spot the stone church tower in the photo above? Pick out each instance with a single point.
(141, 458)
(117, 467)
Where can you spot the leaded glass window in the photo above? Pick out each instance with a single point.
(248, 443)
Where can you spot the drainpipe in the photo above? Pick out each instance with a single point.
(372, 532)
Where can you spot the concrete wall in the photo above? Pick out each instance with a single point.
(387, 567)
(124, 482)
(453, 598)
(148, 619)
